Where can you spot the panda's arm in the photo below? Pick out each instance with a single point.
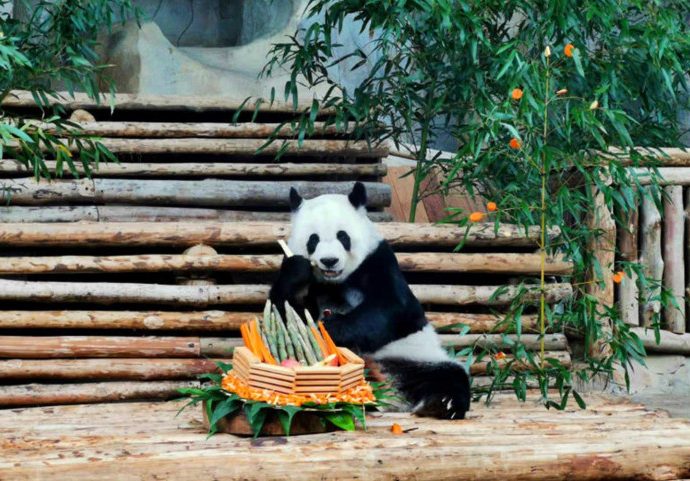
(366, 328)
(293, 281)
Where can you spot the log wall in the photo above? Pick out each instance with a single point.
(126, 286)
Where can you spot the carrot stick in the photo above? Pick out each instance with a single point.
(319, 341)
(265, 354)
(252, 340)
(245, 337)
(333, 349)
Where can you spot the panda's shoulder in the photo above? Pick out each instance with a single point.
(382, 255)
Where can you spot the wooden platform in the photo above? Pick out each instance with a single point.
(612, 439)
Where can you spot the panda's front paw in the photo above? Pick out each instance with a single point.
(297, 271)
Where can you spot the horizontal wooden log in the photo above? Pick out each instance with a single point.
(112, 293)
(222, 347)
(418, 262)
(209, 321)
(207, 192)
(670, 343)
(244, 147)
(210, 169)
(482, 367)
(487, 295)
(146, 369)
(552, 342)
(60, 347)
(47, 394)
(477, 323)
(144, 320)
(54, 347)
(125, 101)
(666, 156)
(185, 234)
(667, 175)
(135, 213)
(217, 130)
(140, 369)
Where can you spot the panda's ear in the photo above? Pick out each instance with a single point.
(358, 196)
(295, 199)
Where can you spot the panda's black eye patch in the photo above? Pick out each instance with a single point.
(344, 239)
(312, 243)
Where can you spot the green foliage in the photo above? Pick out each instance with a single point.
(54, 49)
(219, 403)
(451, 65)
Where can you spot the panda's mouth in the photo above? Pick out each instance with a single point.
(331, 274)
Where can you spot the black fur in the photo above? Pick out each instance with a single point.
(294, 279)
(358, 196)
(440, 390)
(388, 312)
(344, 240)
(295, 199)
(312, 243)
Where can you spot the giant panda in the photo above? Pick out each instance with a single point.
(345, 273)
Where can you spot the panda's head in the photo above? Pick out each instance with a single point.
(333, 231)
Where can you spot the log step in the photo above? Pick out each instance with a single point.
(60, 347)
(163, 103)
(217, 130)
(113, 293)
(49, 394)
(207, 192)
(244, 147)
(139, 369)
(494, 263)
(187, 234)
(671, 343)
(210, 321)
(136, 213)
(211, 169)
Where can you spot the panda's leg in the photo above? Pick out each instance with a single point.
(425, 375)
(435, 389)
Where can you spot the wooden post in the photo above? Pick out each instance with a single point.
(628, 293)
(652, 262)
(603, 247)
(674, 262)
(687, 255)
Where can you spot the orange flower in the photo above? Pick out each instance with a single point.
(618, 277)
(476, 216)
(514, 143)
(491, 206)
(500, 355)
(396, 428)
(568, 50)
(516, 94)
(562, 92)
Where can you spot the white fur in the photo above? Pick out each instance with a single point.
(325, 215)
(423, 346)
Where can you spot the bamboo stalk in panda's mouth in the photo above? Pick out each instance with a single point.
(286, 249)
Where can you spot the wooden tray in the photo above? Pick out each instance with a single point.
(302, 423)
(298, 380)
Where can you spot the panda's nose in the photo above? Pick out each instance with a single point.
(329, 261)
